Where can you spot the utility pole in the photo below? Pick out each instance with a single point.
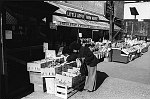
(111, 29)
(110, 12)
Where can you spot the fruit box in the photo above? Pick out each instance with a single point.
(35, 66)
(51, 72)
(68, 80)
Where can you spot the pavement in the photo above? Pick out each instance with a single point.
(115, 81)
(137, 70)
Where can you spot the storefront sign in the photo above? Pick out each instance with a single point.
(73, 24)
(78, 15)
(81, 25)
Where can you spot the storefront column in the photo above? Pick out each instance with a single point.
(3, 68)
(1, 62)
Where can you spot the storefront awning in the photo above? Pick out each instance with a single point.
(72, 22)
(75, 22)
(63, 8)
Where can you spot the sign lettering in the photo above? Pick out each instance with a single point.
(81, 16)
(88, 17)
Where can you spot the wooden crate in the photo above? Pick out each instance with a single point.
(68, 81)
(66, 92)
(49, 62)
(35, 66)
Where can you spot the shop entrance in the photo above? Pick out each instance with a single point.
(97, 35)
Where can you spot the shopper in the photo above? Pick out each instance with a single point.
(91, 62)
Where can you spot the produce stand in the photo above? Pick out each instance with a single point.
(119, 56)
(54, 75)
(99, 49)
(129, 50)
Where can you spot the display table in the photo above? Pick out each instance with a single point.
(119, 56)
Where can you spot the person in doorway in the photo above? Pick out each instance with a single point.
(86, 55)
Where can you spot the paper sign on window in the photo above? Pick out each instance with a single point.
(80, 34)
(8, 34)
(45, 46)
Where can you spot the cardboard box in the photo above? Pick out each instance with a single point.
(46, 64)
(38, 87)
(50, 85)
(35, 66)
(35, 77)
(68, 81)
(51, 72)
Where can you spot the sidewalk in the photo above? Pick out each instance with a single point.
(112, 88)
(125, 81)
(137, 70)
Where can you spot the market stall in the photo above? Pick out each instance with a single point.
(128, 50)
(100, 49)
(71, 20)
(54, 75)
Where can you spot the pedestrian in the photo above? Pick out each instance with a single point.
(87, 57)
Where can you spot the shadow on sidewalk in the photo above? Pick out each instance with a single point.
(101, 76)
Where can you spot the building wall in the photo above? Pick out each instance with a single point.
(138, 27)
(119, 9)
(99, 7)
(94, 6)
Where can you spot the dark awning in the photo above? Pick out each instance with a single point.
(38, 9)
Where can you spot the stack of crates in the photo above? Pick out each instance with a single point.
(56, 77)
(39, 72)
(34, 69)
(66, 92)
(49, 71)
(69, 82)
